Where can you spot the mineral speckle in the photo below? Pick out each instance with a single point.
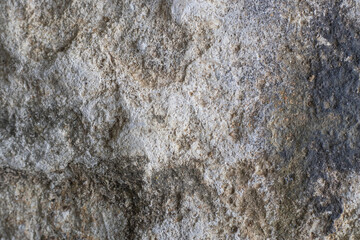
(179, 119)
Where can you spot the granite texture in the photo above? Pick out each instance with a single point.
(180, 119)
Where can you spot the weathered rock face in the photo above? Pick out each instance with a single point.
(179, 119)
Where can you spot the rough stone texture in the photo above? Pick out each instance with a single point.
(179, 119)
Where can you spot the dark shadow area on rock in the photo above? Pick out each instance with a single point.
(329, 142)
(336, 91)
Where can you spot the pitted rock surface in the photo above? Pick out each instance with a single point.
(179, 119)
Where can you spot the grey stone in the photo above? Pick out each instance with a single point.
(179, 119)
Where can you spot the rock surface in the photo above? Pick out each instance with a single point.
(179, 119)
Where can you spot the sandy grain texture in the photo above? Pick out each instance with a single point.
(180, 119)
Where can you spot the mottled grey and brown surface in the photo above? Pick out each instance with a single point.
(180, 119)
